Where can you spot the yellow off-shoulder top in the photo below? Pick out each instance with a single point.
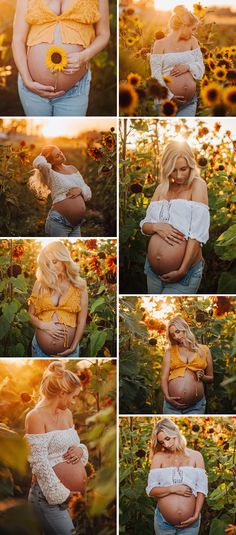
(178, 366)
(66, 311)
(76, 23)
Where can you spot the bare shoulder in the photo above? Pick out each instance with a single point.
(167, 352)
(69, 417)
(156, 460)
(194, 43)
(159, 46)
(199, 190)
(197, 457)
(33, 422)
(156, 194)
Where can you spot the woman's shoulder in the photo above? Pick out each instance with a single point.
(34, 422)
(156, 460)
(199, 190)
(159, 46)
(197, 457)
(194, 43)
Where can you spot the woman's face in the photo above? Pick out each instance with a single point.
(57, 156)
(187, 32)
(166, 441)
(177, 335)
(67, 400)
(181, 172)
(58, 266)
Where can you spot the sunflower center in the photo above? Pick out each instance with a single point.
(56, 58)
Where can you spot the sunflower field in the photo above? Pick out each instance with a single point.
(97, 260)
(142, 95)
(93, 153)
(214, 437)
(94, 419)
(141, 145)
(143, 342)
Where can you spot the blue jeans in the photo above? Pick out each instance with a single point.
(188, 285)
(198, 408)
(189, 109)
(39, 353)
(57, 225)
(162, 527)
(54, 519)
(73, 103)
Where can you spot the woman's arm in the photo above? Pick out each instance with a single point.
(102, 36)
(207, 375)
(196, 67)
(165, 372)
(199, 463)
(50, 327)
(81, 324)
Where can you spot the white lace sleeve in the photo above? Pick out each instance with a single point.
(152, 481)
(151, 216)
(86, 191)
(197, 67)
(156, 70)
(200, 222)
(201, 482)
(54, 491)
(44, 167)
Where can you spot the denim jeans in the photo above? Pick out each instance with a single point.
(54, 519)
(189, 109)
(73, 103)
(57, 225)
(162, 527)
(188, 285)
(37, 352)
(198, 408)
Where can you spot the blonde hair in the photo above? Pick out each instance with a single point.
(37, 182)
(45, 273)
(179, 323)
(172, 152)
(180, 17)
(168, 427)
(57, 379)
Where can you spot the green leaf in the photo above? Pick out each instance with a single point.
(9, 310)
(226, 284)
(97, 341)
(13, 449)
(218, 526)
(97, 303)
(4, 327)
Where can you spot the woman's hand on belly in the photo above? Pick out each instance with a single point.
(73, 192)
(46, 91)
(182, 490)
(175, 401)
(169, 233)
(187, 522)
(53, 328)
(73, 454)
(68, 351)
(75, 60)
(172, 276)
(179, 69)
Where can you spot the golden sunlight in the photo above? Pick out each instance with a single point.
(168, 5)
(16, 361)
(157, 308)
(72, 127)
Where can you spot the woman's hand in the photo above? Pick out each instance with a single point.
(73, 192)
(187, 522)
(75, 60)
(172, 276)
(200, 374)
(46, 91)
(169, 233)
(55, 329)
(73, 454)
(175, 401)
(179, 69)
(68, 351)
(179, 100)
(182, 490)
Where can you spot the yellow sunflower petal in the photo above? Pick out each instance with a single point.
(56, 58)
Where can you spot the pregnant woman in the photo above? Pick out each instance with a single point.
(57, 457)
(186, 368)
(68, 191)
(177, 480)
(53, 42)
(177, 220)
(58, 304)
(178, 57)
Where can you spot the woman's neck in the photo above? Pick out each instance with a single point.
(51, 405)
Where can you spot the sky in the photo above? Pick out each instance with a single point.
(59, 126)
(166, 5)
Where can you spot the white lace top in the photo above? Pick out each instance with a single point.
(194, 477)
(189, 217)
(59, 183)
(47, 450)
(162, 64)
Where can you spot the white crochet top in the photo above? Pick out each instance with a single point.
(189, 217)
(194, 477)
(47, 450)
(59, 183)
(162, 64)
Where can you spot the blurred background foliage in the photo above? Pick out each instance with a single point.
(95, 421)
(141, 146)
(214, 437)
(142, 344)
(97, 260)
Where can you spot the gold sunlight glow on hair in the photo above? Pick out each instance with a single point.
(169, 5)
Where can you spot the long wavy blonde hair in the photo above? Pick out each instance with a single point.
(181, 17)
(46, 275)
(179, 323)
(37, 182)
(173, 151)
(168, 427)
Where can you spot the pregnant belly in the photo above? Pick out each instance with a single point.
(188, 388)
(73, 476)
(183, 85)
(52, 346)
(73, 209)
(176, 509)
(42, 74)
(164, 257)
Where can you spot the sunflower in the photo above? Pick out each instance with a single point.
(155, 89)
(130, 41)
(210, 62)
(134, 79)
(199, 11)
(229, 96)
(168, 108)
(56, 58)
(231, 75)
(128, 98)
(159, 35)
(108, 140)
(211, 94)
(95, 153)
(220, 73)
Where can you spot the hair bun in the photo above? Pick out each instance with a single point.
(58, 368)
(180, 10)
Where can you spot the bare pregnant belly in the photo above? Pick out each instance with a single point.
(41, 73)
(52, 346)
(176, 509)
(188, 388)
(73, 209)
(164, 257)
(73, 476)
(183, 85)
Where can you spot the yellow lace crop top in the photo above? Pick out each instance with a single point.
(178, 366)
(76, 23)
(66, 311)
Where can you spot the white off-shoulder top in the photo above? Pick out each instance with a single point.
(47, 450)
(162, 64)
(59, 183)
(194, 477)
(189, 217)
